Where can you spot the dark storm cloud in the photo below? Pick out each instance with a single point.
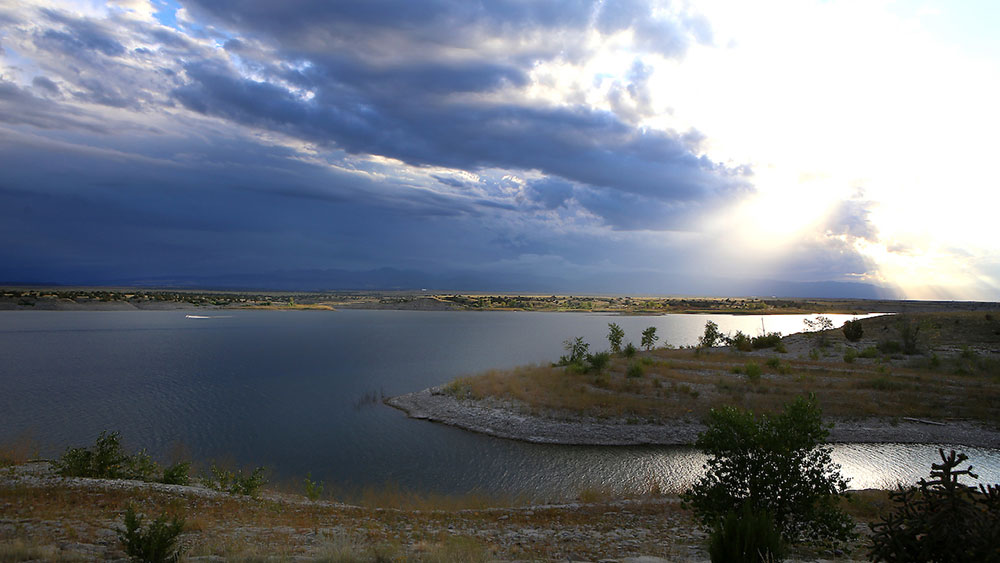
(45, 84)
(79, 35)
(578, 144)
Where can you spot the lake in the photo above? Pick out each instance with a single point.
(291, 390)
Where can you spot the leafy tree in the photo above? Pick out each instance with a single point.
(615, 336)
(853, 330)
(941, 519)
(577, 349)
(712, 336)
(772, 465)
(649, 338)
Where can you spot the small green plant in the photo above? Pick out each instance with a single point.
(814, 354)
(235, 483)
(869, 353)
(745, 536)
(649, 338)
(615, 336)
(773, 363)
(853, 330)
(850, 354)
(314, 490)
(740, 341)
(768, 340)
(177, 474)
(106, 460)
(752, 371)
(629, 350)
(577, 349)
(598, 361)
(154, 543)
(635, 370)
(889, 347)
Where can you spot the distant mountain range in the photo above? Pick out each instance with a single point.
(392, 279)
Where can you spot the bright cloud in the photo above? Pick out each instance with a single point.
(639, 145)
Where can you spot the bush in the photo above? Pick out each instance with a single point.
(850, 354)
(635, 370)
(869, 353)
(752, 371)
(740, 341)
(314, 490)
(649, 338)
(598, 361)
(177, 474)
(889, 347)
(941, 519)
(577, 349)
(106, 460)
(711, 337)
(745, 536)
(615, 336)
(629, 350)
(853, 330)
(771, 464)
(235, 483)
(153, 544)
(773, 363)
(768, 340)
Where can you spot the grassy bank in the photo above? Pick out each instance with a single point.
(49, 518)
(953, 371)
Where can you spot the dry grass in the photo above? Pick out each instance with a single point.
(688, 383)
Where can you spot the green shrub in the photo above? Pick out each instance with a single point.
(814, 354)
(629, 350)
(106, 460)
(745, 536)
(869, 353)
(177, 474)
(314, 490)
(773, 363)
(155, 543)
(598, 361)
(780, 347)
(752, 371)
(235, 483)
(649, 338)
(889, 347)
(941, 519)
(775, 464)
(850, 354)
(577, 349)
(853, 330)
(712, 335)
(635, 370)
(769, 340)
(615, 336)
(740, 341)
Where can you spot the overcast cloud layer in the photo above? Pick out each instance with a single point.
(214, 139)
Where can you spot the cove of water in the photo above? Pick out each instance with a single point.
(288, 389)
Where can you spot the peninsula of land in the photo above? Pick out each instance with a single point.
(942, 385)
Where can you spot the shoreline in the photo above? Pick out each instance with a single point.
(499, 420)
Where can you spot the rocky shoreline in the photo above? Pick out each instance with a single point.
(502, 420)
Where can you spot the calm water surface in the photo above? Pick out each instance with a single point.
(286, 390)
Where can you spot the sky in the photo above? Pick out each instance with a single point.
(620, 146)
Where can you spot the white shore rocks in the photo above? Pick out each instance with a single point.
(495, 418)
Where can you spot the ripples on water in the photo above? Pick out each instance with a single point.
(291, 390)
